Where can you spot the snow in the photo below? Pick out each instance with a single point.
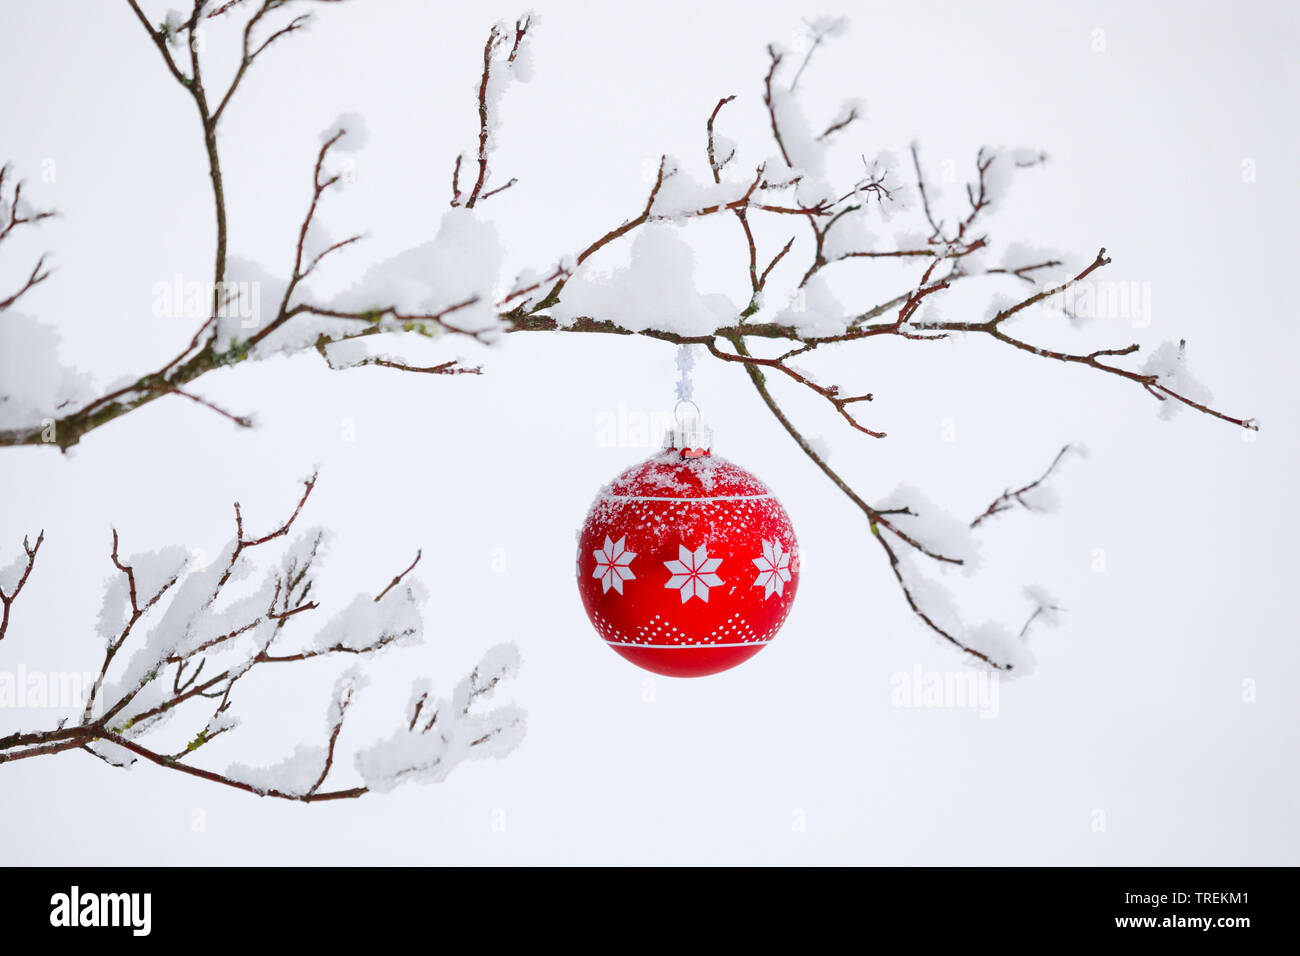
(855, 107)
(240, 319)
(909, 240)
(188, 617)
(725, 149)
(807, 155)
(504, 73)
(449, 731)
(350, 354)
(34, 384)
(850, 234)
(182, 604)
(113, 753)
(827, 26)
(932, 598)
(937, 530)
(777, 172)
(991, 638)
(364, 620)
(976, 262)
(997, 178)
(462, 261)
(152, 570)
(1169, 362)
(499, 662)
(1027, 155)
(114, 609)
(1049, 608)
(1000, 302)
(220, 722)
(886, 168)
(315, 242)
(296, 773)
(523, 67)
(927, 315)
(191, 615)
(1004, 647)
(1018, 255)
(1041, 498)
(946, 535)
(656, 290)
(681, 194)
(351, 682)
(814, 310)
(172, 25)
(11, 573)
(1001, 171)
(353, 126)
(421, 688)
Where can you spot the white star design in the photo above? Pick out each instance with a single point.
(612, 565)
(773, 569)
(693, 573)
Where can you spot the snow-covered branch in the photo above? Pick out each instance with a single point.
(1034, 496)
(180, 635)
(13, 577)
(16, 212)
(506, 57)
(789, 304)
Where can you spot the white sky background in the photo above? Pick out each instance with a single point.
(1135, 705)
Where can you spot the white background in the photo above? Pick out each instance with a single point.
(1135, 707)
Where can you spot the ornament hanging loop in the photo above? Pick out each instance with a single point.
(690, 434)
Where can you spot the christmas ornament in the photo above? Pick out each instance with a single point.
(687, 563)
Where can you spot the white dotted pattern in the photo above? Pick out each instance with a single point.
(737, 513)
(661, 633)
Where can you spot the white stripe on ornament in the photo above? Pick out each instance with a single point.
(687, 647)
(687, 500)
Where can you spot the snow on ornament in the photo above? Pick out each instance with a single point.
(687, 563)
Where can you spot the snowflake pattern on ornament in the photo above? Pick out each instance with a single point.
(612, 564)
(693, 573)
(773, 569)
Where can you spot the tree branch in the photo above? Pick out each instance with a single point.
(7, 599)
(207, 629)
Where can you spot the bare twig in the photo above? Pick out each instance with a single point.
(7, 599)
(1010, 498)
(18, 216)
(398, 578)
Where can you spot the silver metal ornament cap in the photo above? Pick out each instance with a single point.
(690, 433)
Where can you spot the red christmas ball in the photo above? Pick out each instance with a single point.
(687, 564)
